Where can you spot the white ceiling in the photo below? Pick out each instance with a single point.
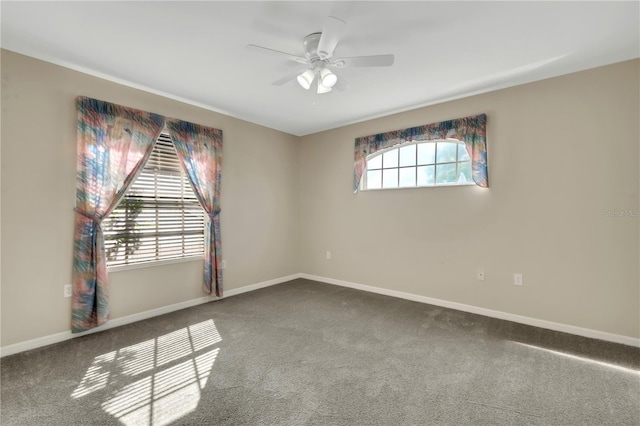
(196, 51)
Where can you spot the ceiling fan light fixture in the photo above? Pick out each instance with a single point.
(306, 78)
(322, 88)
(328, 78)
(318, 58)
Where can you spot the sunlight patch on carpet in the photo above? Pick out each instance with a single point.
(157, 381)
(582, 359)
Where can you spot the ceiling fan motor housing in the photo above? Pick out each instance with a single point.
(310, 44)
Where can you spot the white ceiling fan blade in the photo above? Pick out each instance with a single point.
(298, 59)
(364, 61)
(331, 33)
(287, 78)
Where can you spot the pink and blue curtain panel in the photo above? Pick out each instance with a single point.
(470, 130)
(113, 144)
(200, 151)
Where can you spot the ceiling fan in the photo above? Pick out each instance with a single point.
(318, 56)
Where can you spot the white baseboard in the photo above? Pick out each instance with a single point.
(585, 332)
(66, 335)
(263, 284)
(117, 322)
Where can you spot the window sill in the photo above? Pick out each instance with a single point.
(447, 185)
(153, 263)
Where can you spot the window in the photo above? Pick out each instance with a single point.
(429, 163)
(159, 218)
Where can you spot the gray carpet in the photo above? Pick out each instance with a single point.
(307, 353)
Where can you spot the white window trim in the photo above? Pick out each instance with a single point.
(153, 263)
(440, 185)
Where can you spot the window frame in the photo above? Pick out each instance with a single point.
(161, 261)
(435, 164)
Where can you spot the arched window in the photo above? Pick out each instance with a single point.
(428, 163)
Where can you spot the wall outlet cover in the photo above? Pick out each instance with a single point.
(517, 279)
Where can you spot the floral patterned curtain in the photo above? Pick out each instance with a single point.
(470, 130)
(114, 142)
(200, 151)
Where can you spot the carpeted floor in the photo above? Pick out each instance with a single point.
(307, 353)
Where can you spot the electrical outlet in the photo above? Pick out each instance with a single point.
(223, 264)
(67, 290)
(517, 279)
(480, 275)
(328, 255)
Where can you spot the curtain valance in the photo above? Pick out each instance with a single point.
(470, 130)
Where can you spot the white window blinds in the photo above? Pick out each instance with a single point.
(159, 218)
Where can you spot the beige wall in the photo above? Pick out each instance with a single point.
(561, 152)
(258, 196)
